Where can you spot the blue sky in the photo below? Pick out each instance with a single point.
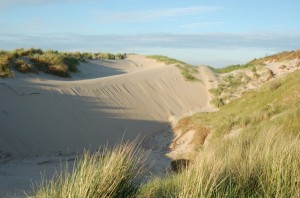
(211, 32)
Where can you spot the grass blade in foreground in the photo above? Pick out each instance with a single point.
(109, 173)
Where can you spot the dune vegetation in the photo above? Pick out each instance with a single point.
(252, 150)
(230, 68)
(50, 61)
(113, 172)
(282, 56)
(188, 71)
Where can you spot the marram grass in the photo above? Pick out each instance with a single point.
(107, 173)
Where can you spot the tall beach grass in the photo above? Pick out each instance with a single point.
(107, 173)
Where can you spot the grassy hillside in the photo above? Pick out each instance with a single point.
(50, 61)
(252, 151)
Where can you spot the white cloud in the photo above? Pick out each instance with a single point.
(177, 41)
(158, 14)
(12, 3)
(202, 25)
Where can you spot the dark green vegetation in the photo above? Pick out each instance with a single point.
(50, 61)
(187, 71)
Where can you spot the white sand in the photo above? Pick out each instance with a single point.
(42, 117)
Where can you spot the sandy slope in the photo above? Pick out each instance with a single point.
(46, 116)
(41, 115)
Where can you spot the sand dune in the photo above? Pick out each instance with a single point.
(42, 115)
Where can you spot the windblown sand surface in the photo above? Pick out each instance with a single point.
(45, 118)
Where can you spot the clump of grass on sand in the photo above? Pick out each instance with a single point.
(107, 173)
(54, 63)
(24, 67)
(50, 61)
(187, 71)
(6, 63)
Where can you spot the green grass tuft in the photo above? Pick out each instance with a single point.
(108, 173)
(6, 63)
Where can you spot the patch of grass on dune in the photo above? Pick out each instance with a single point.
(113, 172)
(50, 61)
(187, 71)
(54, 63)
(254, 105)
(84, 56)
(23, 67)
(6, 63)
(282, 56)
(230, 68)
(165, 59)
